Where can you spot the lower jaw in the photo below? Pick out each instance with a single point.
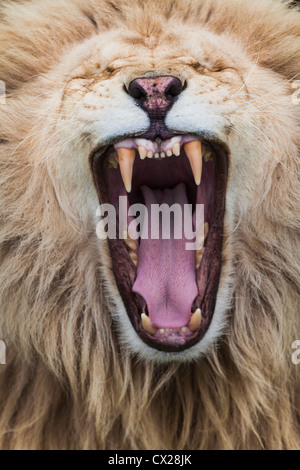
(207, 275)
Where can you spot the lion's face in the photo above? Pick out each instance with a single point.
(148, 118)
(181, 104)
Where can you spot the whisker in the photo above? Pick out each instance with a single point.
(275, 89)
(249, 75)
(243, 135)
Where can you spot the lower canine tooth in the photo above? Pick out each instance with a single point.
(195, 321)
(148, 325)
(126, 160)
(194, 154)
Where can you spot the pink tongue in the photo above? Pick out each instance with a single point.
(166, 276)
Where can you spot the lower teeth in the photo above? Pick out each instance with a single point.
(192, 327)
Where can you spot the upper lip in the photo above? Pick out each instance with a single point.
(157, 130)
(127, 148)
(208, 138)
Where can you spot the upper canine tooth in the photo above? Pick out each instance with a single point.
(195, 320)
(194, 154)
(176, 149)
(148, 325)
(142, 152)
(126, 160)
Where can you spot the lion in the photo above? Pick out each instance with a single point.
(118, 343)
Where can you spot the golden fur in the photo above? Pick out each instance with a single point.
(70, 382)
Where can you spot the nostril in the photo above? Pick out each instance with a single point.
(174, 88)
(136, 90)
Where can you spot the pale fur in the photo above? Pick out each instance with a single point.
(77, 375)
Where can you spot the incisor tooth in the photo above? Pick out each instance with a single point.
(195, 321)
(194, 154)
(148, 325)
(169, 153)
(142, 152)
(150, 154)
(126, 160)
(162, 155)
(176, 149)
(156, 155)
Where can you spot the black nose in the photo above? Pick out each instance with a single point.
(155, 95)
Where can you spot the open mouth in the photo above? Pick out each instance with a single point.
(169, 291)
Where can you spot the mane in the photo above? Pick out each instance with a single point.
(69, 382)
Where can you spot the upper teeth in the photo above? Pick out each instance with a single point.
(127, 148)
(142, 152)
(194, 154)
(176, 149)
(126, 160)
